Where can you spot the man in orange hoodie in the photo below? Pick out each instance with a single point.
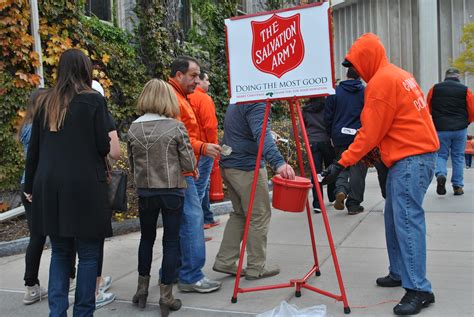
(205, 112)
(396, 119)
(184, 77)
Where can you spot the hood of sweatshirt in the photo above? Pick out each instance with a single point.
(367, 55)
(351, 85)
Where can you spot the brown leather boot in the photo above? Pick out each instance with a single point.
(142, 291)
(167, 301)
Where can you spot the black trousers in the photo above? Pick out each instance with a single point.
(351, 181)
(34, 251)
(323, 153)
(171, 207)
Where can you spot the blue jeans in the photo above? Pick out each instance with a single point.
(171, 207)
(60, 270)
(191, 234)
(468, 159)
(405, 229)
(202, 186)
(454, 142)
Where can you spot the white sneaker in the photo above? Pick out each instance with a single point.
(105, 283)
(72, 284)
(34, 293)
(103, 299)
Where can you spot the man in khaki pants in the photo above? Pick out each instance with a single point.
(242, 129)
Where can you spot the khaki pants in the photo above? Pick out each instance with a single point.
(239, 185)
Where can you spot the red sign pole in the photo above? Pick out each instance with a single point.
(252, 197)
(300, 160)
(343, 296)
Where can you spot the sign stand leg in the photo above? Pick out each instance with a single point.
(301, 165)
(298, 284)
(252, 197)
(347, 310)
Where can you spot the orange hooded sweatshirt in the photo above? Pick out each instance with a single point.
(187, 116)
(395, 116)
(205, 111)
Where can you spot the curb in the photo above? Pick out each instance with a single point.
(18, 246)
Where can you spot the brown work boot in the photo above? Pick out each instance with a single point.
(232, 270)
(266, 272)
(167, 301)
(340, 197)
(141, 295)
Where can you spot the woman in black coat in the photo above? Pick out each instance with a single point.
(66, 180)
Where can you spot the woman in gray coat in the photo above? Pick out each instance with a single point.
(160, 152)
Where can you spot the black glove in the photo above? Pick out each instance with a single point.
(330, 174)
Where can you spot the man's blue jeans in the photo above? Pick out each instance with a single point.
(60, 271)
(453, 142)
(202, 186)
(191, 234)
(405, 229)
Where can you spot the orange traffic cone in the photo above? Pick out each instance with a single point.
(215, 191)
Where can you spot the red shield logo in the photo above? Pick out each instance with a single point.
(277, 45)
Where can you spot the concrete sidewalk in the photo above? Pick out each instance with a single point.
(360, 244)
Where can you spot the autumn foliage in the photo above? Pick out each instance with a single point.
(62, 26)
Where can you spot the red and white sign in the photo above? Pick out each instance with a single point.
(277, 44)
(280, 54)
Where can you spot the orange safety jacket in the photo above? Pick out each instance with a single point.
(395, 116)
(205, 112)
(187, 116)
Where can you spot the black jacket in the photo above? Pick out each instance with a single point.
(449, 105)
(343, 111)
(313, 116)
(66, 174)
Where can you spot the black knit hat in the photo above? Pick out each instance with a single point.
(346, 63)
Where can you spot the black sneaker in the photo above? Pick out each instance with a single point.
(441, 188)
(458, 191)
(413, 302)
(317, 210)
(388, 281)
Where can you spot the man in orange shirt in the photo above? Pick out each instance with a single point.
(184, 77)
(205, 112)
(396, 119)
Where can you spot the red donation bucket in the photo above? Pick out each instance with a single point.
(290, 194)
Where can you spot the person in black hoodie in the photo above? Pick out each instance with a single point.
(342, 119)
(321, 147)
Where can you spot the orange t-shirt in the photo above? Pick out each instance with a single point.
(205, 112)
(395, 116)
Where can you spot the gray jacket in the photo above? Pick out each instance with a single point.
(159, 152)
(242, 129)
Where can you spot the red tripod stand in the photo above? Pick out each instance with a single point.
(298, 284)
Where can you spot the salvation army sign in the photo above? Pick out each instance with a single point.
(280, 54)
(277, 44)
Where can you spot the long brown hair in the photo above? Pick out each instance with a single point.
(74, 75)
